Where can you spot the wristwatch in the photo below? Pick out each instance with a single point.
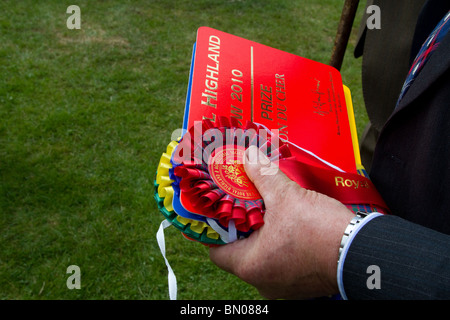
(350, 228)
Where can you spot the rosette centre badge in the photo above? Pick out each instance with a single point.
(226, 167)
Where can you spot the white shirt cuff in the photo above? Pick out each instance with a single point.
(352, 235)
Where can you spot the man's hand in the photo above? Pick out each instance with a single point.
(294, 254)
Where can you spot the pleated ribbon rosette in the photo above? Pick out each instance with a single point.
(201, 186)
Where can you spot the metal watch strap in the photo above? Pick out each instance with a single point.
(350, 228)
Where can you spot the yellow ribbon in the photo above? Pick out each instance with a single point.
(165, 191)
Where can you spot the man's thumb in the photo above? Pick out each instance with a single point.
(265, 175)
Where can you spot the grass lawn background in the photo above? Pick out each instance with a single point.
(84, 117)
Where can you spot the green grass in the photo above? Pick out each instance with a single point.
(85, 115)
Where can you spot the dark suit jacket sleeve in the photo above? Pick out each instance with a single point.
(414, 261)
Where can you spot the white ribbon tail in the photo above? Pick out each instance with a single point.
(172, 280)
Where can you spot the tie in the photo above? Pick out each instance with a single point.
(425, 53)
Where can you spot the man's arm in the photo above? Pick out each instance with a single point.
(408, 262)
(294, 254)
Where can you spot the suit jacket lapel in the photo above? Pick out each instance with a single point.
(438, 63)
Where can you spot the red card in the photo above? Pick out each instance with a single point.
(303, 99)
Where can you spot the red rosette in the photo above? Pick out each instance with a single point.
(209, 163)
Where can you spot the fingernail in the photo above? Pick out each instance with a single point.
(251, 154)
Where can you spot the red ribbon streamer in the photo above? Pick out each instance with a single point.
(348, 188)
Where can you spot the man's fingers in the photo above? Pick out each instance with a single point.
(229, 257)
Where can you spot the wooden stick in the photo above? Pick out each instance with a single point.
(343, 32)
